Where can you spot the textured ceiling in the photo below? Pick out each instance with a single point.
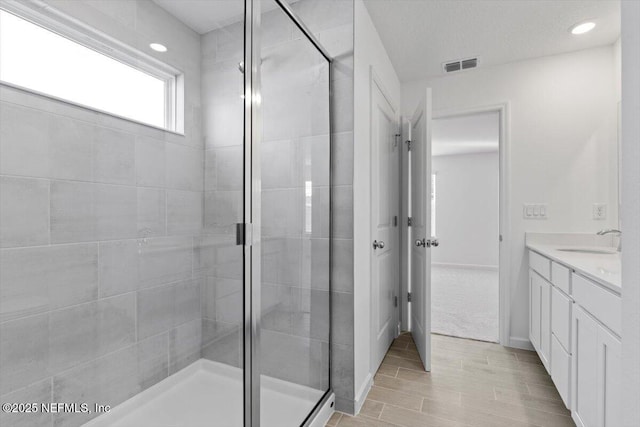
(419, 35)
(477, 133)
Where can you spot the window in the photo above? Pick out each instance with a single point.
(97, 74)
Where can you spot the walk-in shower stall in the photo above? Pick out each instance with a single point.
(165, 214)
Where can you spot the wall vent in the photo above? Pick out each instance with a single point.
(452, 66)
(460, 64)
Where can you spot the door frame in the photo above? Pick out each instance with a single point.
(504, 268)
(375, 80)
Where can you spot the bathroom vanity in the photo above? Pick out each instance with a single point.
(575, 324)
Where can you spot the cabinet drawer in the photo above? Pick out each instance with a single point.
(561, 318)
(561, 370)
(601, 303)
(561, 277)
(540, 264)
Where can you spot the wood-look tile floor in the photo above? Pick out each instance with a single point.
(471, 384)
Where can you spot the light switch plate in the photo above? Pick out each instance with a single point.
(535, 211)
(599, 211)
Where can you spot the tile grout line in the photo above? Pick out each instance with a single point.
(428, 414)
(96, 300)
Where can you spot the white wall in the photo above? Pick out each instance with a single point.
(467, 208)
(562, 133)
(368, 52)
(631, 211)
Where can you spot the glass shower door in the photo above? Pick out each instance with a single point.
(295, 220)
(221, 258)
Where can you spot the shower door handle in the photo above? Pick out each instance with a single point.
(244, 234)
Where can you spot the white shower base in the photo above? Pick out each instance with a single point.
(465, 301)
(209, 394)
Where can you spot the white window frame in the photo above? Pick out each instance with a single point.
(51, 19)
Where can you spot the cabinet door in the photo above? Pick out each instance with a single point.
(534, 310)
(561, 370)
(561, 317)
(609, 379)
(584, 373)
(545, 324)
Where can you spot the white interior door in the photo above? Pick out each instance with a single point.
(420, 273)
(384, 245)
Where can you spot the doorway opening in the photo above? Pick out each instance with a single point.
(465, 206)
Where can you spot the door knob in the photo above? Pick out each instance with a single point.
(378, 245)
(426, 243)
(435, 243)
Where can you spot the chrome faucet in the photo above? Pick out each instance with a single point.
(611, 231)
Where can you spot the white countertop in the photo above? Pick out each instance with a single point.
(601, 268)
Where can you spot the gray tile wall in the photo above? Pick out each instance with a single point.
(332, 22)
(100, 226)
(112, 221)
(295, 223)
(220, 259)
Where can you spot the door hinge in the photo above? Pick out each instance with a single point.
(396, 140)
(395, 301)
(409, 222)
(395, 221)
(244, 234)
(408, 142)
(408, 296)
(500, 238)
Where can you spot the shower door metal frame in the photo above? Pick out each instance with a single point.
(251, 214)
(251, 228)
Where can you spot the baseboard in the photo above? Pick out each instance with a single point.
(362, 394)
(521, 343)
(465, 266)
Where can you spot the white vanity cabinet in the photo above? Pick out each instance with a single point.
(596, 372)
(561, 310)
(575, 327)
(540, 317)
(596, 366)
(585, 368)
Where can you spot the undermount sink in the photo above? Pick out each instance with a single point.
(590, 250)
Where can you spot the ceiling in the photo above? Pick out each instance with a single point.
(477, 133)
(203, 16)
(420, 35)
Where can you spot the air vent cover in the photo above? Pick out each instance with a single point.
(452, 66)
(469, 63)
(460, 64)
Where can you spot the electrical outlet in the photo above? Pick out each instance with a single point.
(599, 211)
(535, 211)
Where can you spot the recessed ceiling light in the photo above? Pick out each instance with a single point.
(158, 47)
(583, 27)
